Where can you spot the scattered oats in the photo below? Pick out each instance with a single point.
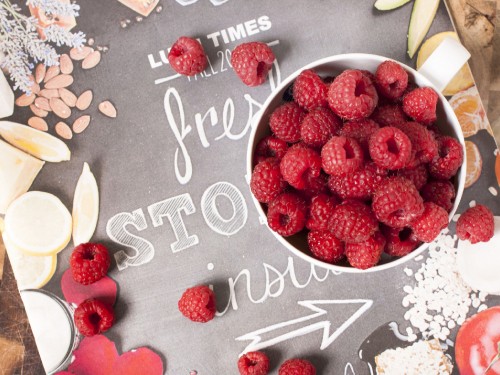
(455, 217)
(408, 271)
(472, 203)
(493, 191)
(139, 19)
(419, 258)
(159, 8)
(105, 49)
(482, 308)
(451, 324)
(123, 24)
(482, 296)
(99, 48)
(128, 21)
(91, 41)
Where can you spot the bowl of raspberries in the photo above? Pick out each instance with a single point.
(356, 163)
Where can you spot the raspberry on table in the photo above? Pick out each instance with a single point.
(320, 211)
(433, 220)
(285, 122)
(319, 126)
(89, 263)
(352, 95)
(366, 254)
(198, 304)
(93, 317)
(287, 214)
(253, 363)
(297, 366)
(441, 192)
(477, 224)
(187, 56)
(389, 115)
(420, 104)
(325, 246)
(267, 182)
(341, 155)
(360, 130)
(270, 146)
(352, 221)
(390, 148)
(399, 241)
(391, 79)
(417, 175)
(309, 90)
(298, 164)
(424, 145)
(359, 184)
(449, 160)
(252, 61)
(396, 202)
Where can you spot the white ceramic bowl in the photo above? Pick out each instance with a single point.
(334, 65)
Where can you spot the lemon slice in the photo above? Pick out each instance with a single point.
(35, 142)
(38, 224)
(85, 207)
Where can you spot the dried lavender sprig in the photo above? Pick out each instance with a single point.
(61, 36)
(55, 7)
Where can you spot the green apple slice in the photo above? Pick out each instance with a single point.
(421, 19)
(389, 4)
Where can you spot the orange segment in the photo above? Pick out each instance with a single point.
(470, 111)
(474, 163)
(497, 167)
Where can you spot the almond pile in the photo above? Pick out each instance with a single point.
(51, 94)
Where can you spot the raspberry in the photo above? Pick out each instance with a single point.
(360, 130)
(319, 126)
(391, 79)
(365, 254)
(476, 225)
(315, 186)
(252, 61)
(287, 214)
(399, 241)
(270, 147)
(309, 90)
(440, 192)
(352, 95)
(187, 56)
(320, 211)
(423, 144)
(420, 105)
(433, 220)
(299, 164)
(253, 363)
(198, 304)
(390, 148)
(285, 122)
(417, 175)
(297, 366)
(93, 317)
(451, 157)
(341, 155)
(89, 263)
(389, 115)
(397, 202)
(352, 221)
(267, 182)
(359, 184)
(325, 246)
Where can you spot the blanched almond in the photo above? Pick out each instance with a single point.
(38, 123)
(25, 100)
(91, 60)
(49, 93)
(35, 88)
(81, 124)
(63, 130)
(107, 109)
(65, 64)
(38, 111)
(52, 71)
(80, 53)
(59, 108)
(43, 103)
(40, 73)
(60, 81)
(84, 100)
(67, 97)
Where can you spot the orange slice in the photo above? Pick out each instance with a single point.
(474, 163)
(497, 167)
(469, 111)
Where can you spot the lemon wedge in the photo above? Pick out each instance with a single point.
(35, 142)
(422, 15)
(85, 207)
(38, 224)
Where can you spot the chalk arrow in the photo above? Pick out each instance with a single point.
(306, 324)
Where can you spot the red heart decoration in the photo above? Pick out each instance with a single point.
(95, 356)
(140, 361)
(104, 290)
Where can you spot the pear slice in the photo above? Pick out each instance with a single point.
(422, 15)
(389, 4)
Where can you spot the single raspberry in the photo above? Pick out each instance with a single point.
(366, 254)
(359, 184)
(399, 241)
(341, 155)
(285, 122)
(187, 56)
(89, 263)
(320, 211)
(417, 175)
(93, 317)
(388, 115)
(390, 148)
(441, 192)
(297, 366)
(396, 202)
(420, 104)
(299, 164)
(309, 90)
(287, 214)
(352, 221)
(253, 363)
(424, 145)
(198, 304)
(450, 159)
(360, 130)
(267, 182)
(319, 126)
(352, 95)
(433, 220)
(270, 146)
(252, 61)
(325, 246)
(477, 224)
(391, 79)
